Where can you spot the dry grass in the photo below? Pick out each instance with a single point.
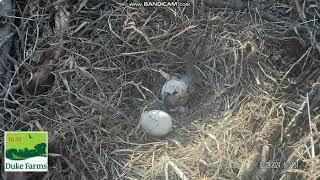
(109, 74)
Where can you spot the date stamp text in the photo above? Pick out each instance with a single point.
(277, 165)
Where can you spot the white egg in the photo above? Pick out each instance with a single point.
(156, 122)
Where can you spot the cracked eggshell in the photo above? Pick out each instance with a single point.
(156, 122)
(176, 87)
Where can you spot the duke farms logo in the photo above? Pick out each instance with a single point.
(26, 151)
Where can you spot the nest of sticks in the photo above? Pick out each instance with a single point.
(258, 103)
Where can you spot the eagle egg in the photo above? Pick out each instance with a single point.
(156, 122)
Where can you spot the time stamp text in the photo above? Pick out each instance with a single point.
(277, 165)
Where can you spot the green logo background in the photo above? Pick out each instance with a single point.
(23, 145)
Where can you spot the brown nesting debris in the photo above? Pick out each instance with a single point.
(270, 131)
(42, 79)
(267, 135)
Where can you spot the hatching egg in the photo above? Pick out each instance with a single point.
(156, 122)
(176, 89)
